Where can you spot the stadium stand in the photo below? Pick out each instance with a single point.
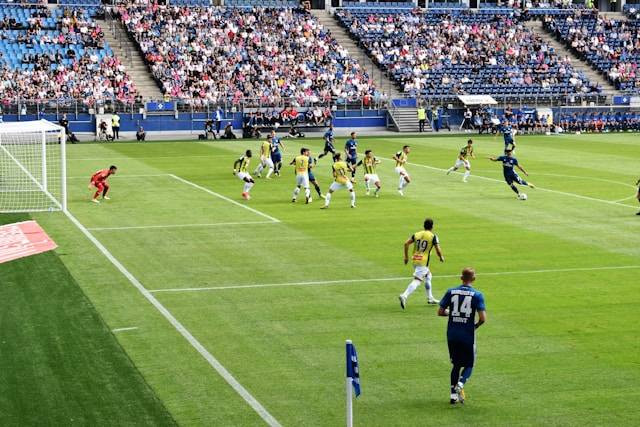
(451, 52)
(58, 54)
(611, 46)
(215, 54)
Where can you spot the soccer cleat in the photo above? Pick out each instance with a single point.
(245, 195)
(308, 200)
(638, 213)
(293, 200)
(432, 301)
(449, 171)
(353, 206)
(400, 192)
(454, 398)
(95, 201)
(464, 180)
(367, 192)
(107, 198)
(322, 196)
(403, 301)
(258, 175)
(324, 207)
(377, 195)
(531, 185)
(460, 392)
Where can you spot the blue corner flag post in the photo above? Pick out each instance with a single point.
(353, 380)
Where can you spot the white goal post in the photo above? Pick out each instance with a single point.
(33, 173)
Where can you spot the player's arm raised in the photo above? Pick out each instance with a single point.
(408, 243)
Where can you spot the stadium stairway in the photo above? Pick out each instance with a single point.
(405, 119)
(578, 64)
(382, 82)
(126, 50)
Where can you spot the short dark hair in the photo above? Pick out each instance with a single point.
(248, 153)
(113, 167)
(405, 146)
(428, 224)
(336, 157)
(302, 150)
(507, 150)
(352, 133)
(470, 141)
(367, 152)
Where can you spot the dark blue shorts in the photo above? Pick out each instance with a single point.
(462, 353)
(329, 148)
(311, 177)
(276, 157)
(352, 160)
(511, 178)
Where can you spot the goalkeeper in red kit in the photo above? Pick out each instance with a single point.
(99, 181)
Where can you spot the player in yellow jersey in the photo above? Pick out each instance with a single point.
(401, 158)
(341, 180)
(423, 242)
(241, 170)
(463, 160)
(301, 163)
(265, 159)
(369, 163)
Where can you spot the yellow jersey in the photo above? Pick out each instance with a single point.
(466, 151)
(423, 243)
(265, 149)
(302, 164)
(369, 165)
(244, 164)
(401, 158)
(340, 171)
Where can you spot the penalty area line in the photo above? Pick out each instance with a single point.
(213, 362)
(220, 196)
(132, 328)
(389, 279)
(148, 227)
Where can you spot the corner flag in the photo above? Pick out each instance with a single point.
(352, 367)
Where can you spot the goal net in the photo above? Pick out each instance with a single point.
(32, 167)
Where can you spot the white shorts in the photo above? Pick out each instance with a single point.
(337, 186)
(463, 163)
(302, 180)
(421, 272)
(400, 170)
(267, 162)
(242, 175)
(373, 177)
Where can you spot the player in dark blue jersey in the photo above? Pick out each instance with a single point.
(508, 134)
(328, 143)
(276, 152)
(351, 150)
(460, 305)
(312, 178)
(510, 176)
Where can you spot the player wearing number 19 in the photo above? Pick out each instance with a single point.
(423, 242)
(460, 305)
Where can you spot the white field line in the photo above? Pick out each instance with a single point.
(220, 369)
(593, 199)
(133, 328)
(87, 177)
(391, 279)
(146, 227)
(626, 198)
(213, 193)
(149, 157)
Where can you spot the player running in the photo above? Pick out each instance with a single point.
(460, 305)
(328, 143)
(312, 178)
(508, 134)
(510, 175)
(465, 153)
(265, 159)
(276, 154)
(351, 151)
(370, 162)
(401, 158)
(341, 180)
(638, 194)
(241, 170)
(423, 242)
(301, 163)
(99, 181)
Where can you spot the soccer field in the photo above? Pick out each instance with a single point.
(266, 291)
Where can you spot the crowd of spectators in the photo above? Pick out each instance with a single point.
(612, 46)
(598, 122)
(70, 61)
(464, 54)
(214, 54)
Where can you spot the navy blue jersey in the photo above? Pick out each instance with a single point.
(351, 146)
(275, 145)
(463, 302)
(328, 135)
(508, 163)
(507, 134)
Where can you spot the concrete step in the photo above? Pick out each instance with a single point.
(406, 120)
(577, 63)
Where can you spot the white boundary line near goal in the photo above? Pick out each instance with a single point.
(220, 369)
(204, 156)
(87, 177)
(132, 328)
(390, 279)
(146, 227)
(220, 196)
(593, 199)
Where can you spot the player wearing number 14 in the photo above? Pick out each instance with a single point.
(460, 305)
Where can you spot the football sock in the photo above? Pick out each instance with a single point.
(366, 185)
(412, 287)
(466, 373)
(259, 169)
(104, 192)
(295, 192)
(269, 172)
(247, 186)
(466, 175)
(401, 183)
(307, 192)
(317, 189)
(515, 189)
(455, 376)
(451, 169)
(95, 196)
(427, 286)
(377, 190)
(327, 199)
(352, 195)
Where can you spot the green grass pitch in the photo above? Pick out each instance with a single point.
(287, 283)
